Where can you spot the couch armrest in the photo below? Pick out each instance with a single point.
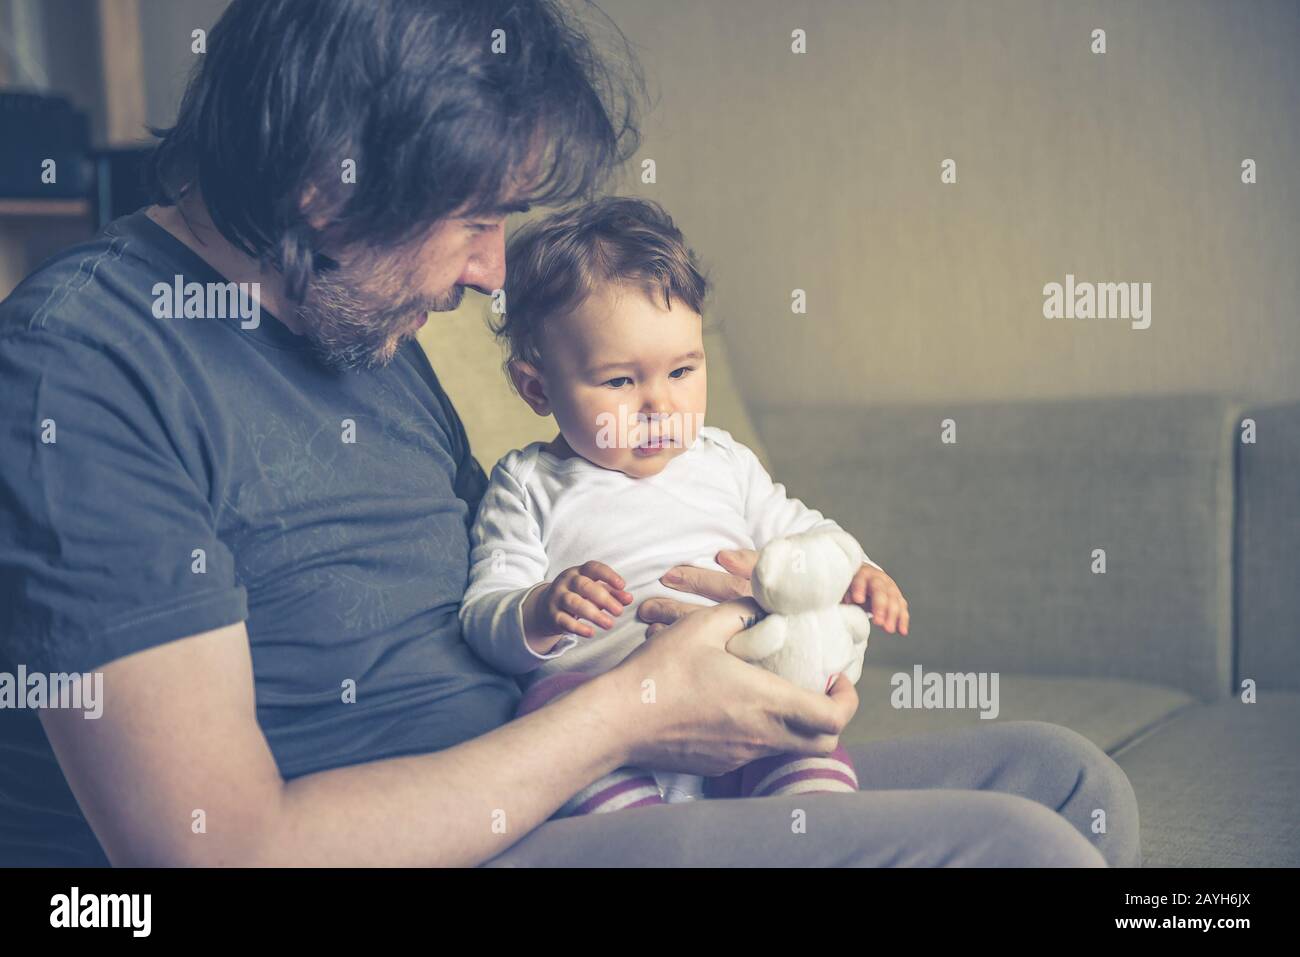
(1268, 549)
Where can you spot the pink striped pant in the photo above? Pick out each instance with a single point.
(777, 775)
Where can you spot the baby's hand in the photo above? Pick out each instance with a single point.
(593, 591)
(879, 594)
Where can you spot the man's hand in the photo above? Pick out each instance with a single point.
(699, 710)
(887, 605)
(879, 594)
(739, 563)
(593, 591)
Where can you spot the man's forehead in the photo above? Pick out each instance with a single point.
(511, 193)
(493, 207)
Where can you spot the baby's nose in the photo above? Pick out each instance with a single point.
(656, 400)
(659, 417)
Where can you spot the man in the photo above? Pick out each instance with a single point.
(252, 522)
(255, 527)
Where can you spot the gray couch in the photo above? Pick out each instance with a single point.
(992, 539)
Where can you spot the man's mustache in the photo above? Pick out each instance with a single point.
(447, 303)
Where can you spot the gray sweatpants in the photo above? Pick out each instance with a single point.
(1013, 794)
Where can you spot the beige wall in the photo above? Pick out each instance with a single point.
(821, 171)
(166, 27)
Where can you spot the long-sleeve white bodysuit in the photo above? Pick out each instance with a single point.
(542, 514)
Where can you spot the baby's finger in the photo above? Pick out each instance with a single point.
(598, 594)
(905, 621)
(880, 617)
(570, 624)
(900, 606)
(579, 607)
(602, 572)
(880, 610)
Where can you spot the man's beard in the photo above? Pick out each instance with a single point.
(351, 329)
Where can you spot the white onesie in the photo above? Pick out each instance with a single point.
(542, 514)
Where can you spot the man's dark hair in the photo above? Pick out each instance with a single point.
(412, 92)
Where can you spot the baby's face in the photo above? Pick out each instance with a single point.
(626, 379)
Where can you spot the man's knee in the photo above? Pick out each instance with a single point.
(963, 828)
(1102, 795)
(1008, 830)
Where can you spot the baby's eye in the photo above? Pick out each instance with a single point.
(614, 383)
(683, 370)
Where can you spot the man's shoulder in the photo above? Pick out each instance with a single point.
(84, 334)
(128, 312)
(100, 291)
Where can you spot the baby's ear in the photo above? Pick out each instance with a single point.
(528, 383)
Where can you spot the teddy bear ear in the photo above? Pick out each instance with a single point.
(772, 559)
(849, 545)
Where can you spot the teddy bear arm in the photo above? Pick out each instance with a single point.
(857, 622)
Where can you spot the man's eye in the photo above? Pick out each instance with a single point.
(615, 383)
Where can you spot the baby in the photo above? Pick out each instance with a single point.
(603, 324)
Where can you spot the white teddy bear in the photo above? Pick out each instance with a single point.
(808, 636)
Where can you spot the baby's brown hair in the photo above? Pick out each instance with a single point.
(555, 263)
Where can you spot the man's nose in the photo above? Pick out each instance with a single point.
(486, 268)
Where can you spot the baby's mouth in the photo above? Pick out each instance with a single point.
(651, 446)
(654, 434)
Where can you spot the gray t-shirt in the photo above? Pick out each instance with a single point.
(164, 477)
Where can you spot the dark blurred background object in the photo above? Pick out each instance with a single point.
(72, 91)
(120, 181)
(46, 145)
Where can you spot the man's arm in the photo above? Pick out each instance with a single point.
(179, 736)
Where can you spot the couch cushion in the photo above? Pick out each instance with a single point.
(1108, 712)
(1268, 549)
(1217, 785)
(991, 538)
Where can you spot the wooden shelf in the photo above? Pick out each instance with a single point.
(63, 208)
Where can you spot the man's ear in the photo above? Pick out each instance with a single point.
(308, 206)
(528, 383)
